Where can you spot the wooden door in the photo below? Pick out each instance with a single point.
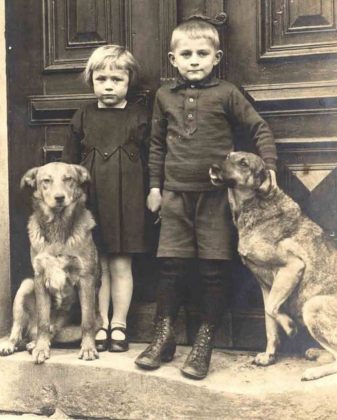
(48, 43)
(281, 53)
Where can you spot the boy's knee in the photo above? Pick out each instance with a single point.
(213, 268)
(173, 265)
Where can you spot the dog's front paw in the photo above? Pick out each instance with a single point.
(41, 352)
(88, 350)
(264, 359)
(30, 346)
(7, 347)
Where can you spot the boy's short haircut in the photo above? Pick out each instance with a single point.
(195, 28)
(115, 57)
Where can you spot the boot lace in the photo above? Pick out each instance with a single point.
(161, 333)
(202, 344)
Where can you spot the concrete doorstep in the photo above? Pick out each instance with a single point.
(112, 387)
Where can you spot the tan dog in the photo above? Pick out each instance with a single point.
(64, 258)
(293, 260)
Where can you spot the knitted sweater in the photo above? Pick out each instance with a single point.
(192, 128)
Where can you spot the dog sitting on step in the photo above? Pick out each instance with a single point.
(65, 263)
(293, 260)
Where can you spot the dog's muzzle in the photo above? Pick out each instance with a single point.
(215, 175)
(218, 177)
(59, 201)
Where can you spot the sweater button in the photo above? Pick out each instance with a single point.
(192, 86)
(105, 154)
(132, 154)
(191, 99)
(190, 116)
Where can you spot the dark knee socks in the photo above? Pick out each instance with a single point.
(192, 301)
(214, 281)
(171, 287)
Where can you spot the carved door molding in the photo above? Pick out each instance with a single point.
(292, 28)
(72, 28)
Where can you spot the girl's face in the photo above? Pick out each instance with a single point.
(110, 86)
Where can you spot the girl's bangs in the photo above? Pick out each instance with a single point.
(111, 62)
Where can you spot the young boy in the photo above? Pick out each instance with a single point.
(192, 128)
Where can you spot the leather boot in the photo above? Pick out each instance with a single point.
(161, 349)
(197, 362)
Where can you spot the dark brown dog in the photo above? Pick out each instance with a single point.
(64, 259)
(294, 262)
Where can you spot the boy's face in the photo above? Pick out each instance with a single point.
(194, 58)
(110, 86)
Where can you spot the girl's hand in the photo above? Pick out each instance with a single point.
(153, 201)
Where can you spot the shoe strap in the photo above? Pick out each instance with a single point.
(103, 329)
(122, 329)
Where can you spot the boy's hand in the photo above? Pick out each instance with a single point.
(270, 183)
(153, 201)
(273, 180)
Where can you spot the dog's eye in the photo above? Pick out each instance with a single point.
(243, 163)
(46, 181)
(68, 178)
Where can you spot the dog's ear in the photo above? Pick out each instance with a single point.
(83, 174)
(29, 178)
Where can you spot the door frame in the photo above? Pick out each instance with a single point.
(5, 284)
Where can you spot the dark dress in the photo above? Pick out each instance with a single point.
(111, 143)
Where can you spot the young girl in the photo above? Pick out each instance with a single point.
(107, 138)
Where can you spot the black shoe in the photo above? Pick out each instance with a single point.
(197, 362)
(102, 344)
(118, 346)
(161, 349)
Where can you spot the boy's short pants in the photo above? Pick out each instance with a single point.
(196, 225)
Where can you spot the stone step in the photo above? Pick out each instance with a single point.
(112, 387)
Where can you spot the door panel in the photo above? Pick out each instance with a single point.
(295, 28)
(73, 27)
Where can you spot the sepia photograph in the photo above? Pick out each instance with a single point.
(168, 196)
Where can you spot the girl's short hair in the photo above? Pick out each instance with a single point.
(115, 56)
(195, 28)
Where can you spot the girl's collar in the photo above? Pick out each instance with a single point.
(121, 105)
